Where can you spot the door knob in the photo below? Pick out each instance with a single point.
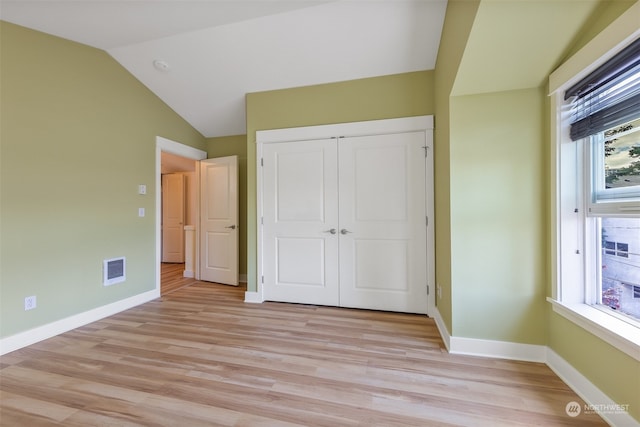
(332, 231)
(345, 231)
(233, 227)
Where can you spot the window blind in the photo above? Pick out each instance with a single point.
(609, 96)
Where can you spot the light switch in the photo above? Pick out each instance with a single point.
(140, 212)
(142, 189)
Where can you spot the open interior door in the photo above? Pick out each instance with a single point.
(173, 217)
(219, 220)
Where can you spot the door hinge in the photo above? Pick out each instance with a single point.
(262, 220)
(426, 150)
(427, 218)
(427, 289)
(261, 161)
(262, 279)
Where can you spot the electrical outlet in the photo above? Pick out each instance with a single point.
(30, 303)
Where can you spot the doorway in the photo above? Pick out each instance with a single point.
(174, 157)
(179, 217)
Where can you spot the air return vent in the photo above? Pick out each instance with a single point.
(113, 271)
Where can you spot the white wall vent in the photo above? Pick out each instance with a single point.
(113, 271)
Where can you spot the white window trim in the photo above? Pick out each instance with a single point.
(569, 301)
(572, 301)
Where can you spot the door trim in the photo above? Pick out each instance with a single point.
(372, 127)
(177, 148)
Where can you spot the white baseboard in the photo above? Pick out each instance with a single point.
(253, 297)
(498, 349)
(488, 348)
(188, 273)
(442, 329)
(242, 278)
(612, 412)
(32, 336)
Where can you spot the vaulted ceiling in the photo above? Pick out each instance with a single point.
(202, 57)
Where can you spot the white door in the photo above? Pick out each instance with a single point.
(173, 217)
(300, 217)
(219, 220)
(383, 259)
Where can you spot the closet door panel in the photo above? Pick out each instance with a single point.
(300, 205)
(382, 203)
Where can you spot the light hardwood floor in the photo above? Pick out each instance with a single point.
(200, 356)
(172, 278)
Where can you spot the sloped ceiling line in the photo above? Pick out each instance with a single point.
(217, 51)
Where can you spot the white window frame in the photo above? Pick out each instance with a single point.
(575, 246)
(624, 206)
(623, 201)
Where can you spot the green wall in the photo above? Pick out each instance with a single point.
(606, 13)
(230, 146)
(77, 137)
(498, 210)
(400, 95)
(455, 34)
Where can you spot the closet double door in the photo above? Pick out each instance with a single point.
(344, 222)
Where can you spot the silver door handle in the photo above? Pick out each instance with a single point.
(233, 227)
(332, 231)
(345, 231)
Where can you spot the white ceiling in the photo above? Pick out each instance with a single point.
(217, 51)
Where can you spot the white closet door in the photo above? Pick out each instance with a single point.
(300, 188)
(383, 259)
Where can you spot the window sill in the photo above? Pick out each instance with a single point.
(620, 334)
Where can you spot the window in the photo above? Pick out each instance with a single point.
(613, 248)
(609, 248)
(598, 203)
(622, 249)
(612, 211)
(620, 267)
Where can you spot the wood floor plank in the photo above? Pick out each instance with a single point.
(200, 356)
(172, 279)
(35, 407)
